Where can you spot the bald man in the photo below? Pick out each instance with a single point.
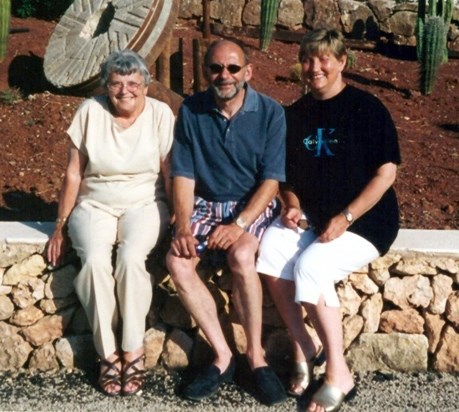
(228, 158)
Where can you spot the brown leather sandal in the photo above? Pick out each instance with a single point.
(110, 376)
(136, 376)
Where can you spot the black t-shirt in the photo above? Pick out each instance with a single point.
(334, 148)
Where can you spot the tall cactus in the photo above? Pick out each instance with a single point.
(269, 10)
(5, 10)
(420, 22)
(438, 15)
(432, 54)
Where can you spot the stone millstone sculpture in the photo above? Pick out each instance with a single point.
(91, 29)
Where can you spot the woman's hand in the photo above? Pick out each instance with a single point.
(57, 246)
(335, 228)
(291, 216)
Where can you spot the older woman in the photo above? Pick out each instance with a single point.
(340, 210)
(113, 195)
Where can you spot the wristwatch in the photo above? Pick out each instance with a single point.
(240, 221)
(348, 216)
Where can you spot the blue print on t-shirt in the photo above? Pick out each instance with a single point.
(320, 142)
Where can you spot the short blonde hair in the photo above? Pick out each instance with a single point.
(320, 41)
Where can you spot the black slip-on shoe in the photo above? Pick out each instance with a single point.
(208, 381)
(269, 386)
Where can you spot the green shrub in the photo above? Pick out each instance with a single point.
(10, 96)
(44, 9)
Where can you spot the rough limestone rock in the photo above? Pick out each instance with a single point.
(79, 325)
(153, 344)
(447, 265)
(173, 313)
(27, 316)
(28, 292)
(447, 357)
(349, 299)
(322, 13)
(251, 13)
(177, 350)
(442, 289)
(60, 282)
(291, 14)
(386, 352)
(6, 307)
(433, 329)
(363, 283)
(10, 254)
(14, 352)
(32, 266)
(76, 351)
(229, 13)
(352, 326)
(414, 266)
(357, 19)
(44, 358)
(371, 312)
(452, 309)
(405, 321)
(47, 329)
(408, 291)
(52, 306)
(190, 8)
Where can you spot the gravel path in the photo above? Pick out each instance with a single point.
(75, 391)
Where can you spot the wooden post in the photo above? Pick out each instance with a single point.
(200, 47)
(197, 66)
(176, 65)
(163, 67)
(206, 17)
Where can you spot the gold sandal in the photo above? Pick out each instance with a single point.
(302, 374)
(110, 376)
(331, 398)
(301, 378)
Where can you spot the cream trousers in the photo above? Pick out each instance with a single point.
(116, 299)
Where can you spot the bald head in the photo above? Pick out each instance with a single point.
(227, 45)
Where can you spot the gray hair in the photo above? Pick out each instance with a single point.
(123, 62)
(319, 41)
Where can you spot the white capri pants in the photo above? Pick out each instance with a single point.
(297, 255)
(125, 290)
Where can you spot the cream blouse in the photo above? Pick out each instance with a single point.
(123, 164)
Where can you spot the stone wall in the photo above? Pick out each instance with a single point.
(387, 20)
(399, 313)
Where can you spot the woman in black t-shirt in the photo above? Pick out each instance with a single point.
(340, 210)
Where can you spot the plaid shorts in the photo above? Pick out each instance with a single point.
(208, 215)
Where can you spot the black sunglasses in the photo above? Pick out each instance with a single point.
(216, 68)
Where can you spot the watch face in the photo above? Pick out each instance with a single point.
(240, 222)
(348, 216)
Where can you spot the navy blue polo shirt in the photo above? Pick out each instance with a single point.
(229, 158)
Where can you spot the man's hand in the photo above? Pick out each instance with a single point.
(224, 236)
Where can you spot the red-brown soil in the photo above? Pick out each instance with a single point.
(33, 142)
